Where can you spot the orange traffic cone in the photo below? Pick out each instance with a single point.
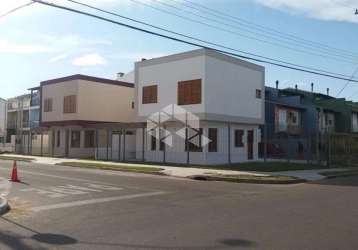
(14, 177)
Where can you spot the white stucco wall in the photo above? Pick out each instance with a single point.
(177, 154)
(166, 76)
(230, 89)
(228, 85)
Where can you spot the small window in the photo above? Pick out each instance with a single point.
(258, 93)
(213, 136)
(189, 92)
(194, 140)
(89, 139)
(48, 105)
(153, 143)
(58, 142)
(132, 105)
(70, 104)
(75, 139)
(150, 94)
(239, 134)
(162, 145)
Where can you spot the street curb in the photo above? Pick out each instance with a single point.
(237, 180)
(4, 206)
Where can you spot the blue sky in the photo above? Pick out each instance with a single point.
(39, 43)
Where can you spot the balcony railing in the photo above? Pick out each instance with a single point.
(289, 129)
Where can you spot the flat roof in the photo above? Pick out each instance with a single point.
(87, 78)
(201, 52)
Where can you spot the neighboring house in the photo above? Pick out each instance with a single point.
(285, 115)
(225, 93)
(2, 121)
(22, 116)
(84, 117)
(320, 113)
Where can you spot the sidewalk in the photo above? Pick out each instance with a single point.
(309, 175)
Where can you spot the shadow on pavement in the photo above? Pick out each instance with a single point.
(338, 181)
(53, 239)
(237, 243)
(223, 244)
(15, 241)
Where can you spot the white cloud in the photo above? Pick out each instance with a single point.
(332, 10)
(137, 56)
(58, 58)
(89, 60)
(9, 47)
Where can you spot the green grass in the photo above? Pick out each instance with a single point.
(343, 173)
(14, 158)
(250, 166)
(272, 179)
(106, 166)
(267, 166)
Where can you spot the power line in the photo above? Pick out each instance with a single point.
(16, 9)
(264, 28)
(195, 38)
(275, 40)
(328, 55)
(348, 82)
(186, 42)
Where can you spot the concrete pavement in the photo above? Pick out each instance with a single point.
(68, 208)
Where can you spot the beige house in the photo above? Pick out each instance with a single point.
(83, 115)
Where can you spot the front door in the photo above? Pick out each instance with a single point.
(250, 144)
(116, 147)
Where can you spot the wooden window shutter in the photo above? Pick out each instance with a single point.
(70, 104)
(189, 92)
(150, 94)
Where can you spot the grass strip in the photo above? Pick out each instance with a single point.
(343, 173)
(115, 167)
(14, 158)
(272, 179)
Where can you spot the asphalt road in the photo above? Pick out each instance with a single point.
(68, 208)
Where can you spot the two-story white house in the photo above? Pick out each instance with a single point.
(201, 107)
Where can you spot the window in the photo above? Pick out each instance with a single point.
(213, 136)
(258, 93)
(239, 134)
(194, 140)
(132, 105)
(89, 139)
(70, 104)
(75, 139)
(150, 94)
(153, 143)
(189, 92)
(162, 145)
(293, 117)
(58, 142)
(48, 105)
